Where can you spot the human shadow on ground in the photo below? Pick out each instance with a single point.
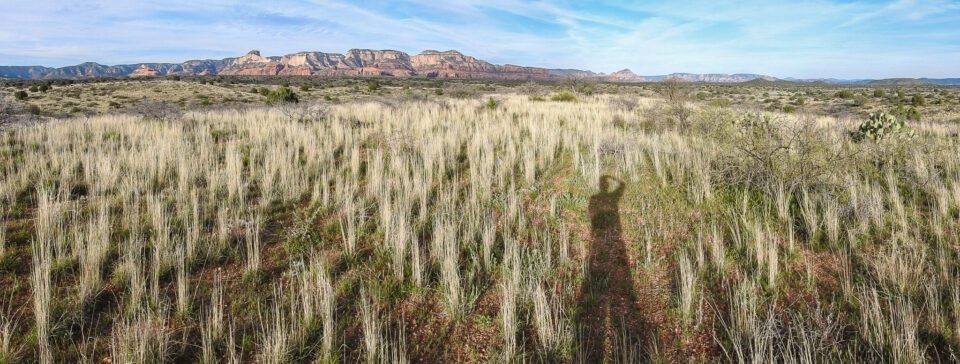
(608, 314)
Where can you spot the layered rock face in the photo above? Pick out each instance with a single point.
(453, 64)
(624, 75)
(366, 62)
(144, 71)
(355, 62)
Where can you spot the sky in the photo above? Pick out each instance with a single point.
(802, 39)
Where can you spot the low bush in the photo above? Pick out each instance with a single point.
(282, 95)
(844, 94)
(563, 96)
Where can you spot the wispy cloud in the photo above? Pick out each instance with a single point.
(819, 38)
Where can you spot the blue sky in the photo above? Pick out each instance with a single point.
(807, 39)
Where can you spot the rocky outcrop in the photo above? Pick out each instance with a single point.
(453, 64)
(144, 71)
(366, 62)
(719, 77)
(355, 62)
(624, 75)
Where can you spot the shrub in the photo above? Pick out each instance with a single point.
(20, 95)
(158, 111)
(491, 104)
(304, 88)
(34, 88)
(676, 92)
(878, 93)
(564, 96)
(720, 102)
(44, 88)
(859, 100)
(907, 113)
(282, 95)
(264, 91)
(918, 100)
(760, 150)
(844, 94)
(880, 126)
(373, 85)
(462, 93)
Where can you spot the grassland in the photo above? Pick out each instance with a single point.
(484, 223)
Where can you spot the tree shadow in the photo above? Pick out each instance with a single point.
(608, 316)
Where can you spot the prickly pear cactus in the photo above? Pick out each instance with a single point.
(753, 121)
(880, 126)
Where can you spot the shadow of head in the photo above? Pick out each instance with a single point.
(605, 187)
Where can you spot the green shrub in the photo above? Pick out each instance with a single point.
(34, 88)
(304, 88)
(373, 85)
(880, 126)
(910, 113)
(462, 93)
(563, 96)
(844, 94)
(20, 95)
(536, 98)
(44, 88)
(491, 104)
(859, 100)
(918, 100)
(722, 102)
(878, 93)
(264, 91)
(282, 95)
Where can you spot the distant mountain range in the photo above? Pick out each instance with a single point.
(366, 62)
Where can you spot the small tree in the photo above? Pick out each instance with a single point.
(676, 92)
(44, 88)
